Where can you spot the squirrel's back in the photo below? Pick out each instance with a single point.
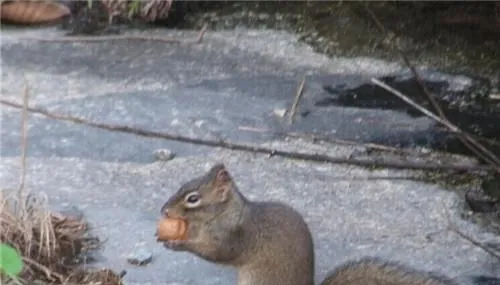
(373, 271)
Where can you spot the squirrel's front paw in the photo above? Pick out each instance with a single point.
(177, 245)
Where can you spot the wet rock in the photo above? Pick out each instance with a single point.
(480, 203)
(140, 256)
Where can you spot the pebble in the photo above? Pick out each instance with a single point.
(140, 256)
(163, 154)
(279, 112)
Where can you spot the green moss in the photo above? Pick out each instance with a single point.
(347, 29)
(453, 180)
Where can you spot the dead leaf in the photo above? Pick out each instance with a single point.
(32, 12)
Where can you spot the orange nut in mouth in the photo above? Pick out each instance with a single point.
(171, 229)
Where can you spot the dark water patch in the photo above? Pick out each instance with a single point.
(470, 108)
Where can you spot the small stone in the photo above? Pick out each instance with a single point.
(279, 112)
(199, 123)
(263, 16)
(163, 154)
(140, 256)
(424, 150)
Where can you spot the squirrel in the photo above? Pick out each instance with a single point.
(269, 243)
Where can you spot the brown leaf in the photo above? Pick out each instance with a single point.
(32, 12)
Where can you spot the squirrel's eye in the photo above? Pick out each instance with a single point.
(192, 199)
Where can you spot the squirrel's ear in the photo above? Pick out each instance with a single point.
(222, 183)
(222, 176)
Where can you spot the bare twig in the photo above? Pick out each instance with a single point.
(369, 178)
(298, 95)
(48, 273)
(474, 242)
(253, 129)
(201, 33)
(24, 139)
(428, 113)
(493, 159)
(164, 39)
(250, 148)
(317, 137)
(491, 142)
(452, 227)
(375, 19)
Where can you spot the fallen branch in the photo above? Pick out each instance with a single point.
(495, 162)
(164, 39)
(250, 148)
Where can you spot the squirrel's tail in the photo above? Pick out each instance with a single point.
(485, 280)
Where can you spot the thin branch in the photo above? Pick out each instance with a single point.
(474, 242)
(494, 161)
(250, 148)
(491, 142)
(318, 137)
(254, 129)
(452, 227)
(164, 39)
(298, 95)
(375, 19)
(48, 273)
(428, 113)
(369, 178)
(24, 139)
(201, 34)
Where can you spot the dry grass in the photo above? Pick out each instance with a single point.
(50, 243)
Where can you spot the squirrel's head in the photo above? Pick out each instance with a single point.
(204, 197)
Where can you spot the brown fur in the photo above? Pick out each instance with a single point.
(372, 271)
(268, 243)
(255, 237)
